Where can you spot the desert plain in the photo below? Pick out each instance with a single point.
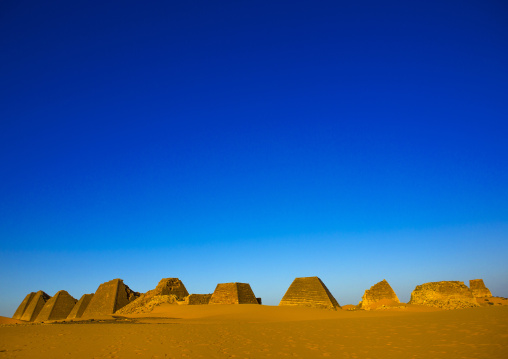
(260, 331)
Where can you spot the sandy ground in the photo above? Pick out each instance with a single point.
(253, 331)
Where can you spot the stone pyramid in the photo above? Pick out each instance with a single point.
(80, 306)
(379, 294)
(108, 298)
(479, 289)
(34, 307)
(233, 293)
(57, 307)
(309, 292)
(22, 307)
(445, 295)
(169, 290)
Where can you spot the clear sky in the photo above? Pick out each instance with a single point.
(252, 141)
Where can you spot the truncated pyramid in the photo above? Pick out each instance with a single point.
(57, 307)
(108, 298)
(34, 307)
(80, 306)
(309, 292)
(233, 293)
(22, 307)
(479, 289)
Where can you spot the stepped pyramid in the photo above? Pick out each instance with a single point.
(108, 298)
(169, 290)
(379, 294)
(22, 307)
(309, 292)
(57, 307)
(80, 306)
(233, 293)
(34, 307)
(479, 289)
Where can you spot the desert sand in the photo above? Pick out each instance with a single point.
(259, 331)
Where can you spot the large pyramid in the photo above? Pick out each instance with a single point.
(22, 307)
(378, 295)
(479, 289)
(445, 295)
(34, 307)
(80, 306)
(57, 307)
(169, 290)
(233, 293)
(108, 298)
(309, 292)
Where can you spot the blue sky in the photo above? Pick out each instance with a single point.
(252, 142)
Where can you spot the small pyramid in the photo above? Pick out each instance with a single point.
(80, 306)
(57, 307)
(108, 298)
(309, 292)
(379, 294)
(479, 289)
(34, 307)
(22, 307)
(233, 293)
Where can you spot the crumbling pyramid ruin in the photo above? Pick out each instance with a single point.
(169, 290)
(479, 289)
(233, 293)
(380, 294)
(34, 307)
(57, 307)
(22, 307)
(309, 292)
(79, 308)
(198, 299)
(108, 298)
(445, 295)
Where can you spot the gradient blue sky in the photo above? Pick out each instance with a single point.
(252, 142)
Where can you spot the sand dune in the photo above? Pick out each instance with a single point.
(254, 331)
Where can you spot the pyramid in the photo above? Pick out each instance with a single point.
(445, 295)
(34, 307)
(108, 298)
(233, 293)
(22, 307)
(309, 292)
(57, 307)
(379, 294)
(169, 290)
(479, 289)
(80, 306)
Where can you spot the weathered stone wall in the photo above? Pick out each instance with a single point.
(309, 292)
(57, 307)
(479, 289)
(233, 293)
(34, 307)
(198, 299)
(445, 295)
(22, 307)
(79, 308)
(380, 292)
(108, 298)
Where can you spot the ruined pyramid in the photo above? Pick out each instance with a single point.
(34, 307)
(57, 307)
(109, 297)
(309, 292)
(79, 308)
(380, 294)
(169, 290)
(233, 293)
(479, 289)
(22, 307)
(445, 295)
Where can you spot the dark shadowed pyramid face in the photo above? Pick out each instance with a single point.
(35, 306)
(57, 307)
(309, 292)
(108, 298)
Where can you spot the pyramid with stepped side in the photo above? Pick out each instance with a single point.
(108, 298)
(35, 306)
(169, 290)
(233, 293)
(22, 307)
(57, 307)
(479, 289)
(309, 292)
(379, 295)
(80, 306)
